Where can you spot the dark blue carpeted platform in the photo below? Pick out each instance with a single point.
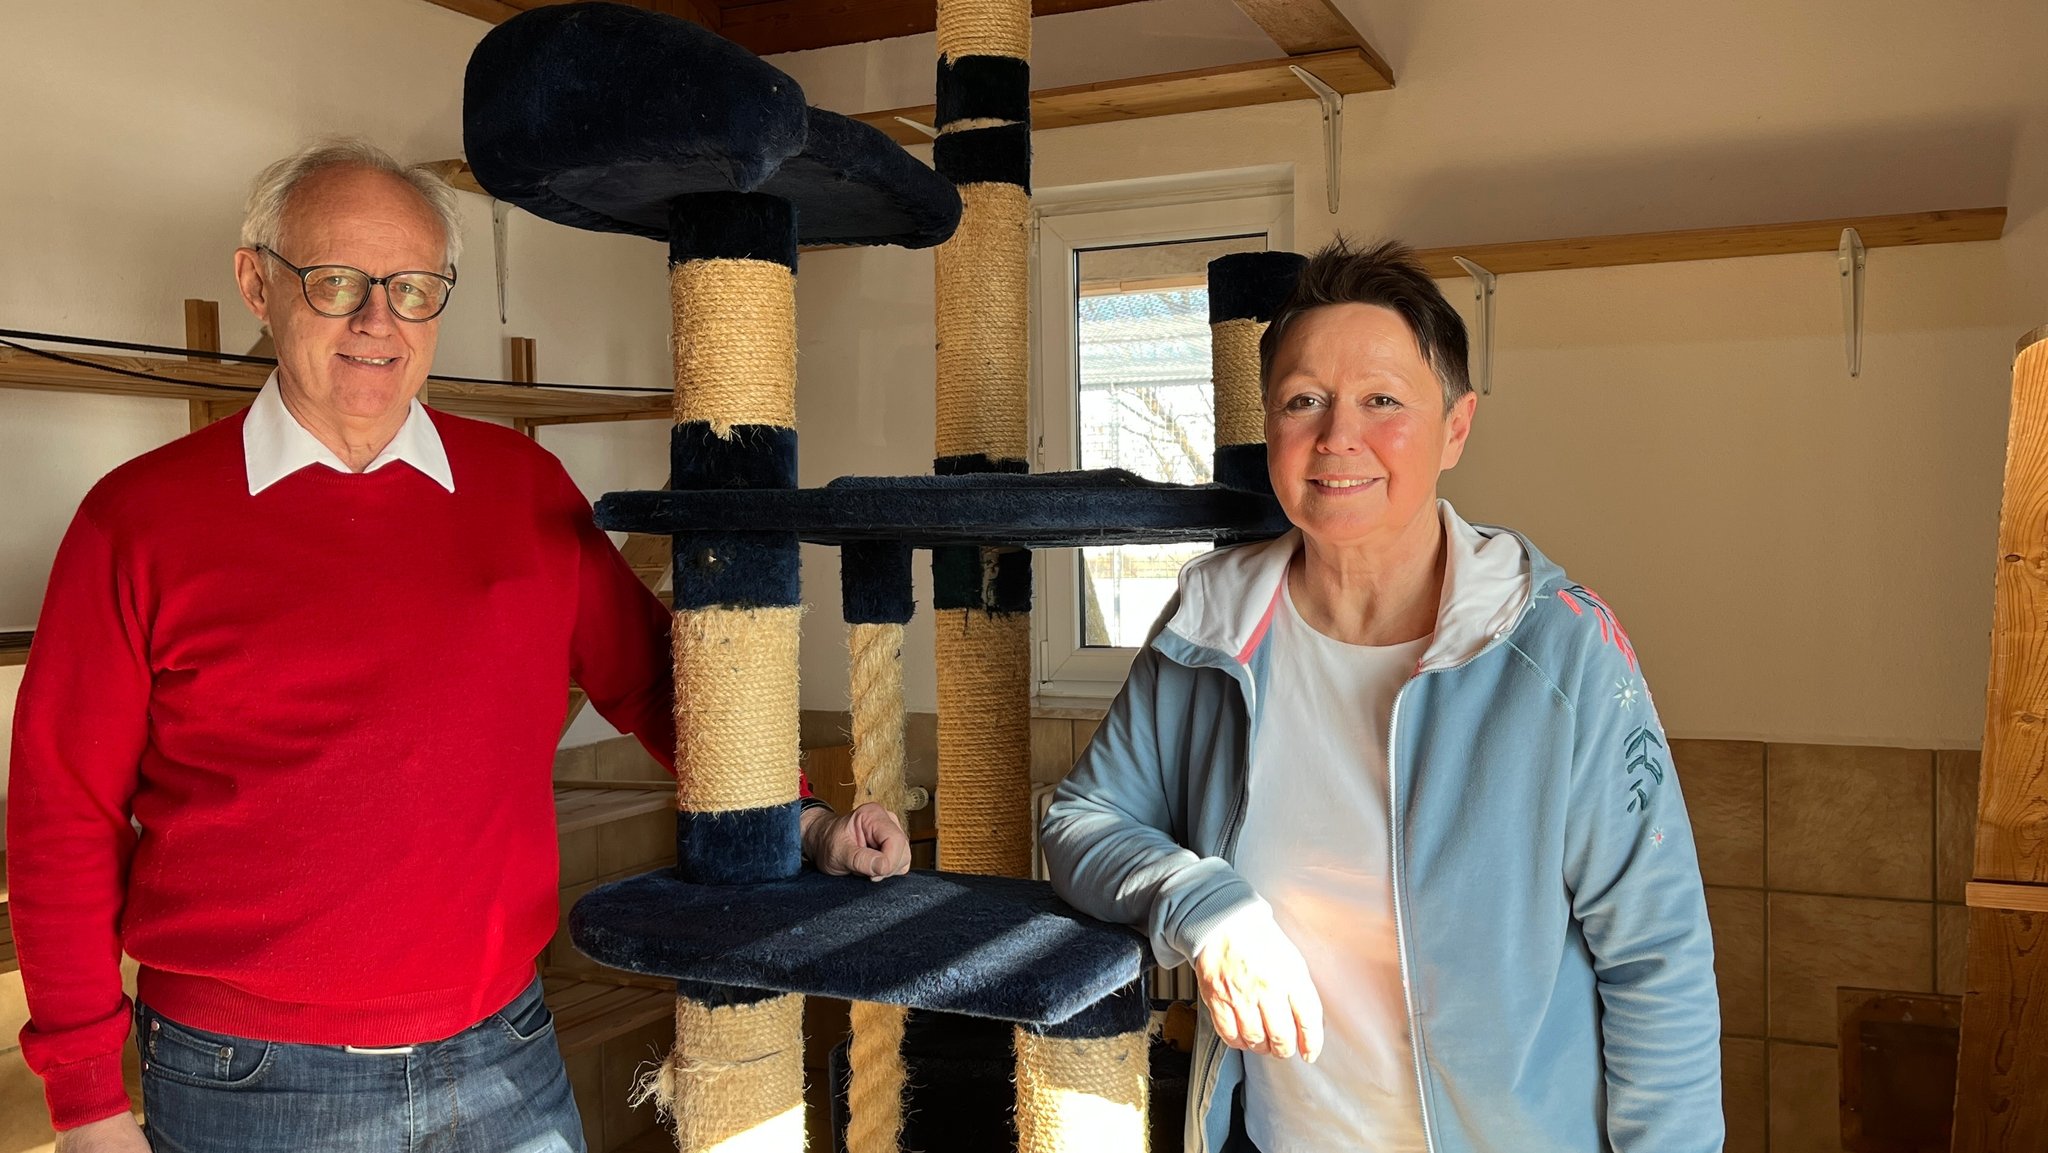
(981, 946)
(1046, 510)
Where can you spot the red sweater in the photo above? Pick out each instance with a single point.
(332, 708)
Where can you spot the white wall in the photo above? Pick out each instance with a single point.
(1799, 556)
(130, 135)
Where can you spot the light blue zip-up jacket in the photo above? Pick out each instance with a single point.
(1553, 935)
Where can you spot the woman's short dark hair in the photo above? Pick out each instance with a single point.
(1388, 275)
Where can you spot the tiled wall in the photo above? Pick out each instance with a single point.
(1826, 866)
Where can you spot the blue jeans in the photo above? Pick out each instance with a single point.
(496, 1087)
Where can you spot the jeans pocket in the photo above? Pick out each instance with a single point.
(527, 1017)
(196, 1057)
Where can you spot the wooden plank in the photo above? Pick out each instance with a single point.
(239, 382)
(1303, 26)
(202, 331)
(582, 806)
(1348, 70)
(2003, 1061)
(613, 1014)
(14, 647)
(795, 25)
(1909, 228)
(2006, 895)
(493, 11)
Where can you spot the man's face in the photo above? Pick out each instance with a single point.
(359, 368)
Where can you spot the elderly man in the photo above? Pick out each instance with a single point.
(286, 733)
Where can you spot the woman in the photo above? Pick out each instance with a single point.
(1394, 785)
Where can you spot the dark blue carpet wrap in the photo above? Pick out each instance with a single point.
(964, 578)
(597, 116)
(1000, 154)
(722, 996)
(1243, 467)
(984, 946)
(875, 584)
(739, 846)
(1040, 510)
(730, 565)
(1124, 1011)
(983, 88)
(732, 226)
(1252, 285)
(973, 462)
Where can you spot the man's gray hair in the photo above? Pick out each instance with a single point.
(268, 196)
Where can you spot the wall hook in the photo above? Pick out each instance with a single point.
(1482, 297)
(924, 129)
(500, 210)
(1849, 258)
(1333, 129)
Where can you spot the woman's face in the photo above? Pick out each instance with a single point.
(1356, 431)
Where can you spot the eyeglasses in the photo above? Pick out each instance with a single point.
(338, 290)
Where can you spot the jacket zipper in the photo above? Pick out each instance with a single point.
(1214, 1059)
(1415, 1042)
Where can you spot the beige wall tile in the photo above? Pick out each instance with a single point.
(1951, 949)
(1849, 820)
(1806, 1087)
(1724, 793)
(1955, 821)
(1820, 943)
(1738, 920)
(1745, 1094)
(1052, 751)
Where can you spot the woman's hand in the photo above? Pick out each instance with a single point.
(867, 841)
(1258, 991)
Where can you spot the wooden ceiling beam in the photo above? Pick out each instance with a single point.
(1304, 26)
(1348, 70)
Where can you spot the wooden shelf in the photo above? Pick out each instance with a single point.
(1952, 226)
(1348, 70)
(189, 380)
(582, 805)
(14, 647)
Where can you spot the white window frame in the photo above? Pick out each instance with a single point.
(1065, 221)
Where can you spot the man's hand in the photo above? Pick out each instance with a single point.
(867, 841)
(1258, 991)
(116, 1134)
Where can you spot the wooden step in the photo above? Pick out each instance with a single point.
(14, 646)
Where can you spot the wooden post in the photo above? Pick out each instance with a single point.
(202, 334)
(2002, 1066)
(525, 369)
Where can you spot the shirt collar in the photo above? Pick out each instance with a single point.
(275, 445)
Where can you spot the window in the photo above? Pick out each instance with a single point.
(1122, 381)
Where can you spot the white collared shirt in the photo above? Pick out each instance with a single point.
(275, 445)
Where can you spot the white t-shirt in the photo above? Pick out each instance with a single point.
(1315, 847)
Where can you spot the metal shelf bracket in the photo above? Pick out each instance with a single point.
(1482, 337)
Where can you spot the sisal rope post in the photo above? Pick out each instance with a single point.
(734, 1080)
(734, 1083)
(875, 1057)
(984, 683)
(1082, 1095)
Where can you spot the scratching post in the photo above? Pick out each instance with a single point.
(1246, 290)
(734, 1080)
(983, 595)
(877, 600)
